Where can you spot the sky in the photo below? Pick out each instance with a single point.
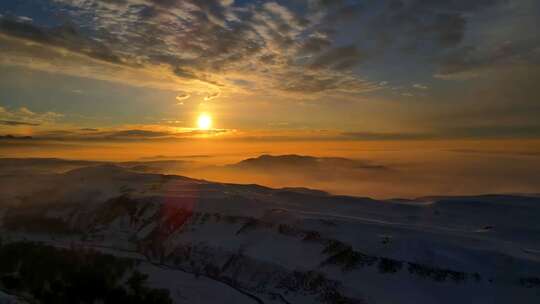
(354, 70)
(87, 79)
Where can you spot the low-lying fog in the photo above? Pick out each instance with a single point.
(380, 170)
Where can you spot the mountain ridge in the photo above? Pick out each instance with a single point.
(294, 245)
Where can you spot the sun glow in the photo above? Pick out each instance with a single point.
(204, 122)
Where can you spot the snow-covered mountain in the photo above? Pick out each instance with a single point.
(210, 242)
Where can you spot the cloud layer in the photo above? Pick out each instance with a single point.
(209, 43)
(438, 67)
(309, 46)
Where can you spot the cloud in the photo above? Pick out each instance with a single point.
(470, 61)
(125, 133)
(494, 131)
(329, 49)
(420, 86)
(171, 157)
(17, 123)
(315, 43)
(25, 117)
(65, 36)
(340, 58)
(136, 134)
(90, 134)
(195, 44)
(387, 136)
(525, 131)
(408, 25)
(314, 82)
(181, 97)
(211, 96)
(502, 152)
(12, 137)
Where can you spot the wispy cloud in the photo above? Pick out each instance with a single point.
(204, 42)
(25, 117)
(17, 123)
(388, 136)
(181, 97)
(212, 96)
(469, 132)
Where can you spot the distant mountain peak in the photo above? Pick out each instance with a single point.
(104, 169)
(295, 161)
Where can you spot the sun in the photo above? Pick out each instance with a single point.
(204, 122)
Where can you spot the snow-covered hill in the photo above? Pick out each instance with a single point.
(226, 243)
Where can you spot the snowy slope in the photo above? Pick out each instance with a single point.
(208, 241)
